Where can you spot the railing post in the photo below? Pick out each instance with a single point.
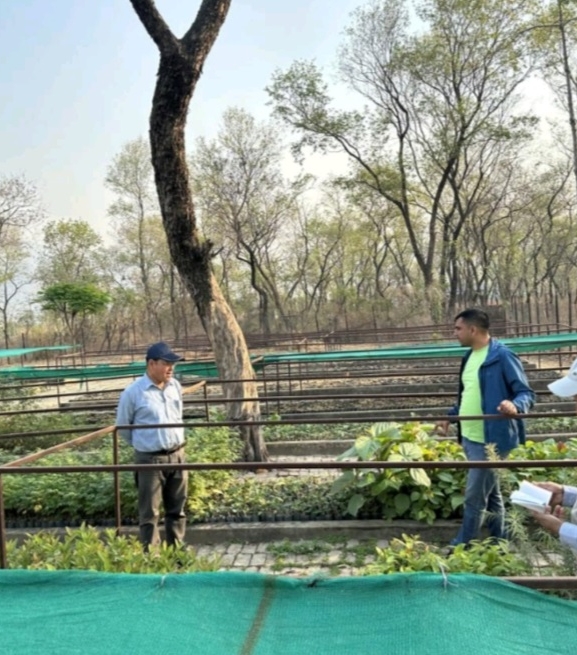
(265, 389)
(3, 556)
(116, 476)
(206, 408)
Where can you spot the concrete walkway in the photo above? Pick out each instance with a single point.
(301, 558)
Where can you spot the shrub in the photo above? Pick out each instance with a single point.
(403, 493)
(409, 554)
(90, 496)
(88, 549)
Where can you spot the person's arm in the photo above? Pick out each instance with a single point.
(125, 414)
(523, 397)
(568, 535)
(553, 521)
(569, 495)
(567, 532)
(549, 521)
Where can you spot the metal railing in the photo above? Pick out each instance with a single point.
(15, 468)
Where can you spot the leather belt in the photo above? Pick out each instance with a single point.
(165, 452)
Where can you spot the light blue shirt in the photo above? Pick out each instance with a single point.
(568, 531)
(144, 403)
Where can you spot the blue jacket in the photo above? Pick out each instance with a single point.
(501, 377)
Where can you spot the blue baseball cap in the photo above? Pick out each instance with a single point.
(161, 350)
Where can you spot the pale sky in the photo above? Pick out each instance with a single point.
(77, 76)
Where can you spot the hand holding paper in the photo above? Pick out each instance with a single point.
(532, 497)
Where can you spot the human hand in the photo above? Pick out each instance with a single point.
(555, 489)
(507, 407)
(442, 428)
(550, 522)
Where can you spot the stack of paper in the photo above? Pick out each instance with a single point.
(532, 497)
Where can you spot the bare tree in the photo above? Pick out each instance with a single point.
(244, 197)
(19, 203)
(180, 67)
(130, 178)
(13, 274)
(433, 96)
(555, 32)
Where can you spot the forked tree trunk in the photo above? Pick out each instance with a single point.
(181, 62)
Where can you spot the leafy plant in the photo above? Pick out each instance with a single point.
(549, 449)
(319, 432)
(88, 549)
(553, 424)
(487, 558)
(90, 496)
(410, 554)
(209, 445)
(70, 300)
(410, 493)
(25, 422)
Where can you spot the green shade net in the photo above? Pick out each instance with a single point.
(56, 612)
(101, 371)
(208, 369)
(518, 345)
(18, 352)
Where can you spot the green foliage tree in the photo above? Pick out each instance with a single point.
(72, 252)
(73, 302)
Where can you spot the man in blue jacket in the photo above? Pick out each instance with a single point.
(492, 381)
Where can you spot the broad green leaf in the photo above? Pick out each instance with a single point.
(402, 503)
(366, 447)
(380, 430)
(343, 481)
(366, 478)
(380, 486)
(410, 451)
(420, 477)
(355, 504)
(457, 500)
(348, 454)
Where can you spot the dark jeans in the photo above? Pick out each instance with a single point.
(167, 486)
(482, 495)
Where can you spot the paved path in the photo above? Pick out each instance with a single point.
(286, 473)
(301, 558)
(314, 557)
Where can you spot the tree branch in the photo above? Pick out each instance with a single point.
(204, 30)
(155, 25)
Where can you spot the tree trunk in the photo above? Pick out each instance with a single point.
(181, 62)
(568, 85)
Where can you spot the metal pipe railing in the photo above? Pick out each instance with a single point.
(14, 467)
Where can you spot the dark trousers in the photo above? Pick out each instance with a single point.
(168, 487)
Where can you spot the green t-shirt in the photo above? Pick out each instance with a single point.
(471, 399)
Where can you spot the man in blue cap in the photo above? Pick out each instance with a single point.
(153, 399)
